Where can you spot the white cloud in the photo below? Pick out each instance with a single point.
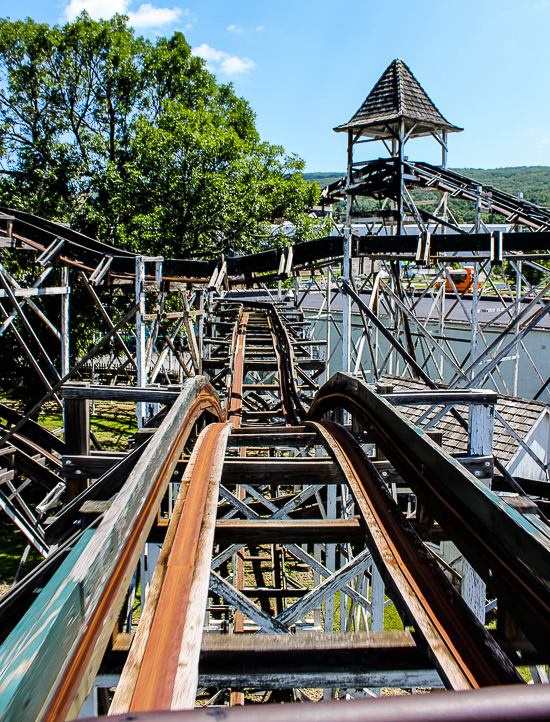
(239, 29)
(208, 53)
(146, 16)
(234, 65)
(220, 61)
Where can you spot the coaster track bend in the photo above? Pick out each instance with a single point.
(55, 648)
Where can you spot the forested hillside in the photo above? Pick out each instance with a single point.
(532, 181)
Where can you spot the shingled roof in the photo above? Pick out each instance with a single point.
(520, 414)
(397, 95)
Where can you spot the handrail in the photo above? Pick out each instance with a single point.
(528, 703)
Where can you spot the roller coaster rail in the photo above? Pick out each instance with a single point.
(292, 485)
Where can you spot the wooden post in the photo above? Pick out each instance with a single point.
(140, 335)
(76, 433)
(480, 443)
(346, 263)
(480, 430)
(200, 329)
(518, 310)
(400, 160)
(65, 363)
(346, 304)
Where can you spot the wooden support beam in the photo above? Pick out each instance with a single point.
(36, 471)
(335, 582)
(302, 531)
(76, 433)
(327, 660)
(119, 393)
(278, 471)
(304, 364)
(235, 597)
(272, 439)
(90, 466)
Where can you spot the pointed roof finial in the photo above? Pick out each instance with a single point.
(397, 96)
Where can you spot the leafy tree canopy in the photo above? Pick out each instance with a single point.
(135, 143)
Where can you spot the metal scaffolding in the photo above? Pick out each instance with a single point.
(306, 468)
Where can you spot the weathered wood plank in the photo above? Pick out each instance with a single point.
(341, 680)
(226, 645)
(325, 658)
(251, 531)
(291, 471)
(305, 364)
(274, 439)
(42, 291)
(92, 466)
(119, 393)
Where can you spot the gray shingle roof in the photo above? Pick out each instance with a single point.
(520, 414)
(397, 95)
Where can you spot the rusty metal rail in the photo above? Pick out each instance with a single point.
(236, 392)
(40, 680)
(283, 353)
(162, 669)
(507, 551)
(464, 653)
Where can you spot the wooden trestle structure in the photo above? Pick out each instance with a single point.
(270, 515)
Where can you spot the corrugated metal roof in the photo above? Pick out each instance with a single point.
(520, 414)
(397, 95)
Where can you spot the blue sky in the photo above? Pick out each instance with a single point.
(307, 66)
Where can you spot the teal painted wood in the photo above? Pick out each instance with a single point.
(35, 654)
(31, 656)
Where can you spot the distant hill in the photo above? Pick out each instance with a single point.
(324, 179)
(532, 181)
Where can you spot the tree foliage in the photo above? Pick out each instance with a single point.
(134, 142)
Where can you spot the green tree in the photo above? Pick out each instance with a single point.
(135, 143)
